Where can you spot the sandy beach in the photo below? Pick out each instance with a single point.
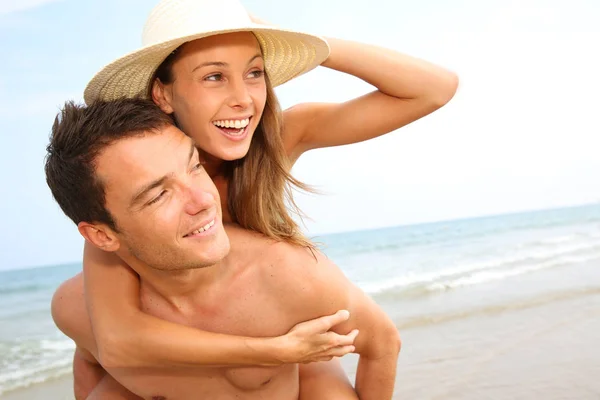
(532, 349)
(58, 389)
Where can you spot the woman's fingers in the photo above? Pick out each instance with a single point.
(312, 340)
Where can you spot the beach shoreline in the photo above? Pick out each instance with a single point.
(56, 389)
(513, 354)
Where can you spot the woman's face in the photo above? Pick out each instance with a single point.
(218, 93)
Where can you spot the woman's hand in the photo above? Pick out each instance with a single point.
(312, 340)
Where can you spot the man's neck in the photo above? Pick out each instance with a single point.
(178, 288)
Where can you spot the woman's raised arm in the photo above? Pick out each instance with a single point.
(407, 89)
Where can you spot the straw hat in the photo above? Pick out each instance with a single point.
(172, 23)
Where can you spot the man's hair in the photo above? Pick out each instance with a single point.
(79, 134)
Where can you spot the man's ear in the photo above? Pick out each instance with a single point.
(100, 236)
(162, 96)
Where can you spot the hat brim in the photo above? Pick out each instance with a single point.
(287, 54)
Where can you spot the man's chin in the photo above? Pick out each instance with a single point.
(215, 255)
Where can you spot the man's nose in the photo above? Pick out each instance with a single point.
(198, 200)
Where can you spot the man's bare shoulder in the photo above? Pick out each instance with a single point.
(290, 260)
(304, 280)
(255, 245)
(70, 315)
(248, 246)
(283, 265)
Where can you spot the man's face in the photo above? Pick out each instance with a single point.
(165, 205)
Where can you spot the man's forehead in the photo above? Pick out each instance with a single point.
(142, 155)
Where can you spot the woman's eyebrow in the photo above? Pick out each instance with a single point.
(211, 63)
(258, 55)
(222, 63)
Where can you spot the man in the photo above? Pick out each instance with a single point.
(150, 201)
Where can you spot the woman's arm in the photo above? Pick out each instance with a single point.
(124, 336)
(407, 89)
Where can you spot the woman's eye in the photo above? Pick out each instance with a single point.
(256, 74)
(198, 166)
(214, 77)
(157, 198)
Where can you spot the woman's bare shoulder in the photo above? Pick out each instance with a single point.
(296, 121)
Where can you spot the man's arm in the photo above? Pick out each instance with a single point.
(109, 388)
(379, 349)
(307, 287)
(90, 379)
(87, 374)
(91, 382)
(325, 381)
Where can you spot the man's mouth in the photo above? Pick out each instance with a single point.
(202, 229)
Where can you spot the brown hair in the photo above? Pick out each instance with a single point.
(79, 135)
(259, 184)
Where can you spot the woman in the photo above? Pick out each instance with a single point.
(215, 76)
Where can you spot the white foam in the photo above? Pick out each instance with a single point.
(528, 257)
(490, 276)
(26, 362)
(24, 377)
(57, 344)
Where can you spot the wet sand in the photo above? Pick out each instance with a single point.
(57, 389)
(539, 342)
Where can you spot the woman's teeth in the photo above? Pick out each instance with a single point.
(230, 123)
(204, 228)
(236, 133)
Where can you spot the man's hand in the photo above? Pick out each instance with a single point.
(312, 340)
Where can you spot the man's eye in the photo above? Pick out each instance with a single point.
(157, 198)
(198, 166)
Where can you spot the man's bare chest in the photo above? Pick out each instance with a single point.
(239, 309)
(244, 309)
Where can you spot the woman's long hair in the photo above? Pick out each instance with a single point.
(260, 186)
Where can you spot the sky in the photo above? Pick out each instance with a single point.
(520, 134)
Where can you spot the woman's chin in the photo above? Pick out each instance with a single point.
(233, 153)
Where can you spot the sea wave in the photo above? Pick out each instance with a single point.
(458, 232)
(490, 276)
(27, 362)
(22, 288)
(469, 273)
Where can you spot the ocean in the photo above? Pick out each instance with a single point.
(426, 277)
(32, 349)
